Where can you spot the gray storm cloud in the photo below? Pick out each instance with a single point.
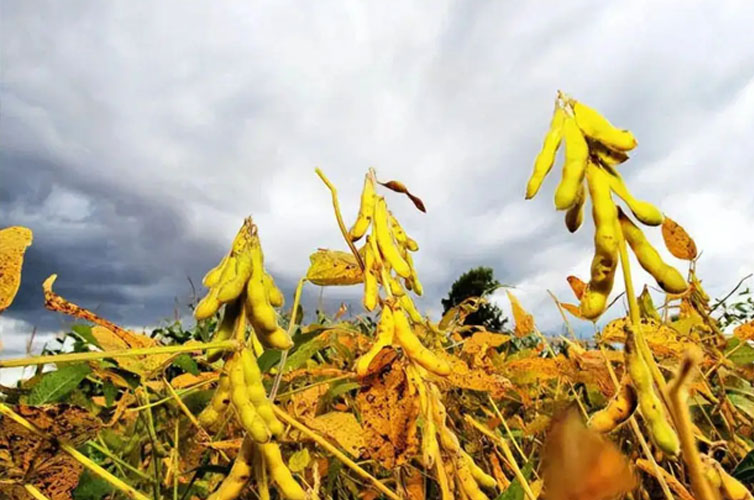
(135, 139)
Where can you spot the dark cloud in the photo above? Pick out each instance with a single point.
(135, 140)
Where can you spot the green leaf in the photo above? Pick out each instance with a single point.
(268, 359)
(743, 355)
(110, 391)
(304, 352)
(744, 471)
(515, 491)
(299, 460)
(53, 386)
(743, 403)
(91, 487)
(85, 332)
(186, 363)
(340, 388)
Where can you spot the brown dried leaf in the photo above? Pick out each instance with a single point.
(579, 464)
(30, 458)
(523, 320)
(677, 240)
(334, 268)
(399, 187)
(577, 286)
(389, 408)
(343, 428)
(13, 243)
(55, 302)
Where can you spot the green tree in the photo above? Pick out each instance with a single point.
(477, 282)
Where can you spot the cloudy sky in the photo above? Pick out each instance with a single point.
(135, 137)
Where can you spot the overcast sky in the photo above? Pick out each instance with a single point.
(134, 138)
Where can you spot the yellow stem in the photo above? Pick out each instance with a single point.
(33, 491)
(635, 317)
(324, 443)
(291, 327)
(678, 395)
(507, 452)
(126, 489)
(341, 224)
(184, 408)
(125, 353)
(659, 473)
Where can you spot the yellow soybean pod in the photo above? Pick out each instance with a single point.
(414, 348)
(280, 473)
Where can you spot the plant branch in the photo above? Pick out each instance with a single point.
(124, 353)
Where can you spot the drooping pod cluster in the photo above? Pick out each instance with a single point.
(241, 283)
(388, 262)
(441, 448)
(387, 248)
(249, 296)
(593, 150)
(259, 460)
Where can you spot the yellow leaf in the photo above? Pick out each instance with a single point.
(343, 428)
(187, 379)
(524, 321)
(745, 331)
(13, 243)
(677, 240)
(146, 366)
(299, 460)
(333, 268)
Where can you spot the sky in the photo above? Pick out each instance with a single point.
(134, 139)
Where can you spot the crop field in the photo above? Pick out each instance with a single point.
(252, 402)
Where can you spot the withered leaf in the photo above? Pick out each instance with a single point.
(389, 409)
(13, 243)
(577, 286)
(343, 428)
(334, 268)
(399, 187)
(30, 458)
(677, 240)
(524, 322)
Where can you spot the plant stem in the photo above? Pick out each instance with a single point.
(678, 395)
(324, 443)
(341, 224)
(635, 317)
(126, 489)
(507, 452)
(291, 327)
(124, 353)
(33, 491)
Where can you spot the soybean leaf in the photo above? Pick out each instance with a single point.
(53, 386)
